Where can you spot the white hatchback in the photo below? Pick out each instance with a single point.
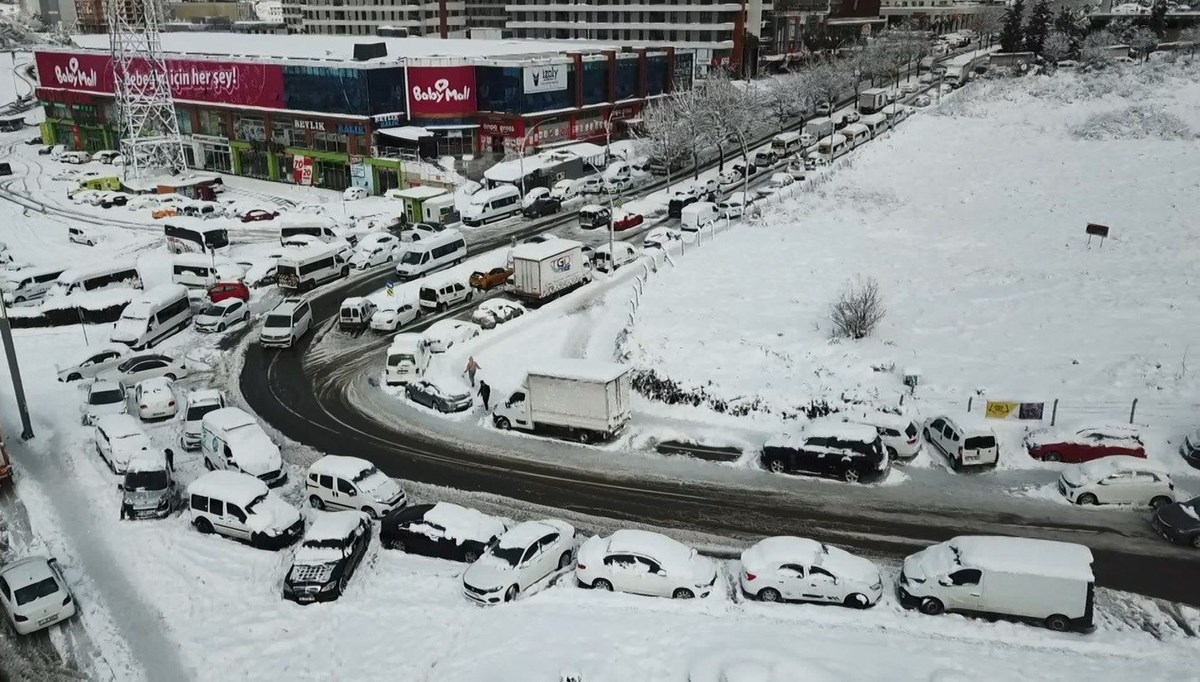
(221, 315)
(103, 398)
(118, 437)
(34, 594)
(335, 482)
(799, 569)
(1118, 479)
(641, 562)
(443, 334)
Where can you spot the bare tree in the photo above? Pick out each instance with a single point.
(1143, 41)
(661, 137)
(827, 82)
(784, 98)
(1190, 36)
(858, 310)
(693, 122)
(1095, 47)
(737, 111)
(986, 22)
(1057, 47)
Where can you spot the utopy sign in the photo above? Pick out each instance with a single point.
(441, 91)
(545, 78)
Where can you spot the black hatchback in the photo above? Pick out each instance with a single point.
(332, 549)
(442, 530)
(850, 452)
(542, 206)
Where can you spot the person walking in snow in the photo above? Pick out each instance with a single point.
(472, 368)
(485, 392)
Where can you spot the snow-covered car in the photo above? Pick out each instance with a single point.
(354, 194)
(524, 556)
(798, 569)
(661, 238)
(1189, 449)
(232, 439)
(1179, 523)
(1085, 445)
(823, 109)
(850, 117)
(733, 207)
(926, 78)
(144, 366)
(796, 168)
(627, 220)
(729, 176)
(118, 437)
(241, 507)
(331, 550)
(909, 87)
(618, 184)
(438, 397)
(532, 196)
(34, 594)
(892, 96)
(901, 435)
(779, 181)
(496, 311)
(442, 530)
(103, 398)
(196, 405)
(418, 231)
(374, 249)
(965, 442)
(443, 334)
(391, 319)
(218, 317)
(155, 399)
(92, 361)
(255, 215)
(921, 101)
(642, 562)
(1117, 480)
(807, 140)
(148, 490)
(336, 482)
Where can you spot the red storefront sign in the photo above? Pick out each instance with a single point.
(441, 91)
(302, 170)
(237, 83)
(515, 128)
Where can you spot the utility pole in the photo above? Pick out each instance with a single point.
(14, 370)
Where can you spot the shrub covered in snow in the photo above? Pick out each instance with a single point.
(1135, 122)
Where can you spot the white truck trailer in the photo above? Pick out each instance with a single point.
(870, 101)
(547, 269)
(583, 400)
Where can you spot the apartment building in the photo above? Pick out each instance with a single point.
(446, 18)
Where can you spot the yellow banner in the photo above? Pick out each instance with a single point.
(997, 409)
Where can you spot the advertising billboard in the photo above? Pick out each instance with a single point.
(441, 91)
(545, 78)
(216, 82)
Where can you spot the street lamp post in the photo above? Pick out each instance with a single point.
(14, 370)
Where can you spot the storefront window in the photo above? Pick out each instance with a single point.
(285, 167)
(627, 78)
(501, 89)
(214, 123)
(595, 81)
(387, 178)
(456, 143)
(251, 128)
(59, 111)
(656, 74)
(185, 121)
(281, 133)
(217, 159)
(330, 142)
(254, 164)
(331, 175)
(319, 88)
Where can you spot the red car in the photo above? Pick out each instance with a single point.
(627, 221)
(1085, 445)
(257, 214)
(223, 290)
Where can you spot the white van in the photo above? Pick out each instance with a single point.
(624, 254)
(856, 134)
(200, 271)
(407, 359)
(831, 145)
(351, 483)
(493, 204)
(74, 157)
(28, 284)
(567, 189)
(443, 250)
(965, 442)
(1043, 581)
(697, 216)
(439, 296)
(786, 144)
(241, 507)
(320, 229)
(231, 439)
(819, 127)
(876, 123)
(355, 314)
(309, 267)
(78, 235)
(90, 279)
(286, 323)
(159, 312)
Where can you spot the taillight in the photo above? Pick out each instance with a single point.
(171, 404)
(66, 600)
(581, 567)
(750, 576)
(144, 407)
(19, 618)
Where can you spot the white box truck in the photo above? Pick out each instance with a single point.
(819, 127)
(1043, 581)
(870, 101)
(584, 400)
(544, 270)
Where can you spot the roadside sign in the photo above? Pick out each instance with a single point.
(391, 288)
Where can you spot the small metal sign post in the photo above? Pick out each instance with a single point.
(1095, 230)
(391, 288)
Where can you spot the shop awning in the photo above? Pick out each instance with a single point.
(410, 133)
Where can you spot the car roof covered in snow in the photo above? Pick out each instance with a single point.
(1101, 468)
(232, 486)
(834, 428)
(149, 459)
(673, 555)
(462, 523)
(26, 571)
(228, 418)
(301, 254)
(155, 385)
(404, 342)
(348, 468)
(204, 396)
(104, 385)
(525, 534)
(579, 369)
(771, 553)
(448, 326)
(333, 525)
(876, 418)
(1024, 556)
(159, 295)
(543, 250)
(1117, 432)
(120, 426)
(970, 422)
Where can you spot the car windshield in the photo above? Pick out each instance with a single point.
(411, 258)
(197, 412)
(42, 588)
(278, 321)
(509, 555)
(146, 480)
(106, 397)
(395, 360)
(254, 503)
(365, 474)
(213, 311)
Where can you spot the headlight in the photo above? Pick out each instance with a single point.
(164, 502)
(329, 586)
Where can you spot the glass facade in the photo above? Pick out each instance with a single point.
(385, 90)
(656, 74)
(501, 89)
(627, 78)
(595, 81)
(325, 89)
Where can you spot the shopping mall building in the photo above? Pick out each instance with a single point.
(304, 109)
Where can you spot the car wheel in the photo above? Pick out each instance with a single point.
(776, 466)
(1058, 623)
(584, 437)
(955, 463)
(1160, 501)
(170, 375)
(850, 476)
(856, 601)
(316, 502)
(203, 526)
(397, 545)
(602, 584)
(1087, 499)
(19, 299)
(1196, 541)
(221, 327)
(74, 376)
(564, 560)
(209, 465)
(503, 424)
(511, 593)
(769, 594)
(1052, 457)
(683, 593)
(470, 556)
(931, 606)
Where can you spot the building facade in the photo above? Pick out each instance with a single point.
(445, 18)
(939, 16)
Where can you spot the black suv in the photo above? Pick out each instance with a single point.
(442, 530)
(332, 549)
(850, 452)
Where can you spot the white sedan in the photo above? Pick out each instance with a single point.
(103, 398)
(155, 399)
(374, 249)
(661, 238)
(144, 366)
(496, 311)
(95, 359)
(525, 555)
(733, 207)
(118, 438)
(34, 594)
(391, 319)
(641, 562)
(443, 334)
(219, 316)
(798, 569)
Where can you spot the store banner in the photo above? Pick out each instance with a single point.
(545, 78)
(1005, 409)
(219, 82)
(302, 170)
(514, 128)
(441, 91)
(360, 174)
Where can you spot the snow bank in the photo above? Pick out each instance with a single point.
(1136, 122)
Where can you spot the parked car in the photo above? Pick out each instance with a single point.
(1118, 479)
(34, 594)
(330, 552)
(533, 195)
(336, 482)
(922, 101)
(733, 207)
(118, 437)
(1085, 445)
(491, 279)
(661, 238)
(142, 366)
(778, 181)
(376, 248)
(149, 490)
(642, 562)
(542, 206)
(257, 215)
(103, 398)
(155, 399)
(909, 87)
(220, 316)
(443, 334)
(241, 507)
(900, 435)
(391, 319)
(438, 397)
(964, 442)
(197, 404)
(627, 220)
(354, 193)
(226, 290)
(799, 569)
(527, 554)
(93, 361)
(828, 448)
(442, 530)
(286, 323)
(1189, 449)
(496, 311)
(1179, 522)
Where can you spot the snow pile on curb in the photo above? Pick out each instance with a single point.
(1136, 122)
